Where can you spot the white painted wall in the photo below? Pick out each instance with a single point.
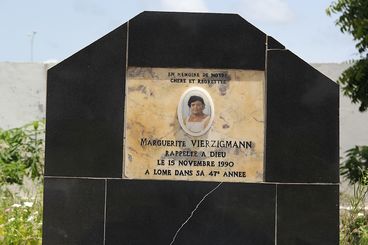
(23, 98)
(22, 93)
(353, 124)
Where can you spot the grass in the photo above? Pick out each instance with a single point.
(21, 213)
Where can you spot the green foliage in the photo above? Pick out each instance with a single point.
(22, 152)
(354, 223)
(354, 82)
(354, 20)
(21, 213)
(21, 171)
(355, 167)
(356, 231)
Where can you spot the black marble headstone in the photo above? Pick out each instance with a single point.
(86, 201)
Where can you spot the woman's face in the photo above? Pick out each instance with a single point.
(196, 107)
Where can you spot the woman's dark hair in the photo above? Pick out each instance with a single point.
(195, 98)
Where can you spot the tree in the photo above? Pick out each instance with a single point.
(354, 81)
(354, 20)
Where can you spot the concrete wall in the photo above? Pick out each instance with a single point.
(23, 98)
(353, 129)
(23, 93)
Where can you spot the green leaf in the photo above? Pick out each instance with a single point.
(21, 152)
(35, 125)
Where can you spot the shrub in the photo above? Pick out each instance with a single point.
(21, 213)
(22, 152)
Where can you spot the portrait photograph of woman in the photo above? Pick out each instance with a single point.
(195, 111)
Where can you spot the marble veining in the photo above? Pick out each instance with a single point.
(151, 120)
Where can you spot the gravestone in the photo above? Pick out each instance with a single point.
(190, 128)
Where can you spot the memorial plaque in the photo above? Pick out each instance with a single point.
(194, 124)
